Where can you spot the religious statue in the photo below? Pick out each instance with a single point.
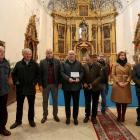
(83, 33)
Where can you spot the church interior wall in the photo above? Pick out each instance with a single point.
(125, 28)
(15, 17)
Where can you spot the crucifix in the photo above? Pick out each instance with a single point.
(126, 52)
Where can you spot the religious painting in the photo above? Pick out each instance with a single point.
(93, 33)
(60, 46)
(61, 59)
(61, 30)
(107, 46)
(83, 10)
(83, 54)
(73, 44)
(74, 33)
(94, 46)
(106, 32)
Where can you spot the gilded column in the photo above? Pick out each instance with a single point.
(102, 49)
(113, 37)
(55, 35)
(68, 37)
(99, 38)
(113, 43)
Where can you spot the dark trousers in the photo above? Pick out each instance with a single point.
(75, 96)
(95, 98)
(20, 101)
(3, 111)
(138, 109)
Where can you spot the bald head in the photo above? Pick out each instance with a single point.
(49, 53)
(2, 53)
(71, 55)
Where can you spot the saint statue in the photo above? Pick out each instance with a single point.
(83, 33)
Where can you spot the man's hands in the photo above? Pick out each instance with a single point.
(72, 81)
(41, 88)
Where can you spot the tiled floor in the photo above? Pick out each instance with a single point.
(52, 130)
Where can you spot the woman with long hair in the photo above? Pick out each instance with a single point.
(121, 91)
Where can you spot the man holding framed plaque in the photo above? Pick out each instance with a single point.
(72, 74)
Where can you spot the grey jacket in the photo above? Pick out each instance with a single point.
(44, 72)
(4, 77)
(66, 69)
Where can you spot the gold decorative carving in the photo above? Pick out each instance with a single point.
(136, 42)
(31, 39)
(94, 18)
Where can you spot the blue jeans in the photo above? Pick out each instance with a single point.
(104, 93)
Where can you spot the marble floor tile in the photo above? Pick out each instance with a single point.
(52, 130)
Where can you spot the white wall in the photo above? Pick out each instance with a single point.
(14, 17)
(125, 28)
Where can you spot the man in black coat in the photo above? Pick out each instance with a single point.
(4, 90)
(50, 80)
(72, 73)
(136, 79)
(25, 76)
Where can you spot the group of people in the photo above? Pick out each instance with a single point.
(71, 75)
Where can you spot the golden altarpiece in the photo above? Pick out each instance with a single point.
(31, 40)
(136, 42)
(85, 31)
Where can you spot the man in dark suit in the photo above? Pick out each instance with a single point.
(50, 80)
(4, 89)
(25, 76)
(72, 73)
(136, 79)
(92, 86)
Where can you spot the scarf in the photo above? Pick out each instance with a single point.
(122, 62)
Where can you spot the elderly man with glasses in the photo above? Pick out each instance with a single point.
(72, 73)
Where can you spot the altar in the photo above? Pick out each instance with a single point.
(109, 103)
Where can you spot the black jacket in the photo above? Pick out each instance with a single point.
(107, 72)
(136, 78)
(27, 76)
(66, 69)
(44, 72)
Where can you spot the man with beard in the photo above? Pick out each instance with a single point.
(92, 86)
(104, 83)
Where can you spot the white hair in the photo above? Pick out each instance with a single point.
(2, 47)
(27, 49)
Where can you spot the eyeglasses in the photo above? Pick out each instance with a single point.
(71, 54)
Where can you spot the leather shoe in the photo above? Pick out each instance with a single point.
(68, 121)
(94, 121)
(44, 119)
(86, 119)
(138, 123)
(32, 124)
(5, 132)
(75, 121)
(15, 125)
(56, 118)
